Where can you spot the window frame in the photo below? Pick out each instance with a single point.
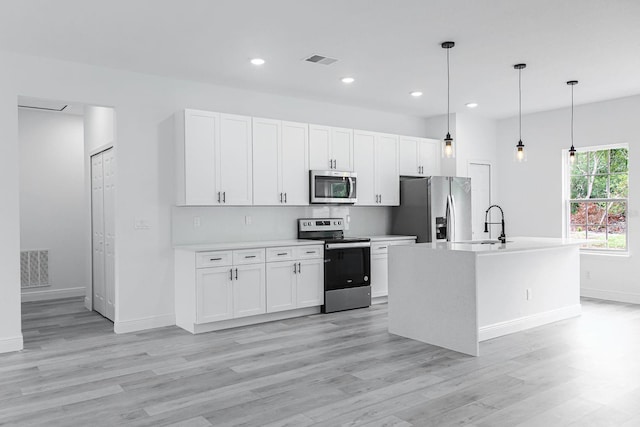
(567, 201)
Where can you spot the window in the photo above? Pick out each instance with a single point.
(598, 196)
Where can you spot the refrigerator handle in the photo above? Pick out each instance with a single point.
(454, 218)
(448, 218)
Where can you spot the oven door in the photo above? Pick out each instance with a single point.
(346, 265)
(333, 187)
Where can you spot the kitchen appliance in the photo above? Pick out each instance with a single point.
(332, 187)
(347, 266)
(436, 208)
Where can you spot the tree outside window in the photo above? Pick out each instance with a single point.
(599, 189)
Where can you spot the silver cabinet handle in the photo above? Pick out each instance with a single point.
(299, 268)
(236, 274)
(311, 252)
(294, 268)
(224, 197)
(285, 197)
(382, 247)
(330, 163)
(250, 256)
(215, 259)
(280, 197)
(231, 274)
(218, 197)
(282, 253)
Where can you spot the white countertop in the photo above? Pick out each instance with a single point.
(514, 244)
(391, 237)
(245, 245)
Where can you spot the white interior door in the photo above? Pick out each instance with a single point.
(103, 186)
(109, 169)
(97, 234)
(480, 174)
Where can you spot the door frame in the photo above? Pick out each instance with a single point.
(88, 298)
(491, 179)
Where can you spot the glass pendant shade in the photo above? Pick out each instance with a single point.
(447, 147)
(519, 153)
(572, 155)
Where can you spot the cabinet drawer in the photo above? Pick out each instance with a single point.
(309, 252)
(248, 256)
(213, 259)
(279, 254)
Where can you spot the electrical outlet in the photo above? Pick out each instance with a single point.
(196, 221)
(247, 220)
(529, 294)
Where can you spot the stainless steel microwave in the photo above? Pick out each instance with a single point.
(333, 187)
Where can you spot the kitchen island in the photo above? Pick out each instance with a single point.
(455, 295)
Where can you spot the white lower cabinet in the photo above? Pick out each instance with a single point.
(223, 285)
(380, 265)
(297, 283)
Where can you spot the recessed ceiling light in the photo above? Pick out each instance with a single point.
(471, 104)
(416, 93)
(257, 61)
(348, 80)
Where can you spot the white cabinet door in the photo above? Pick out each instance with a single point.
(248, 290)
(201, 158)
(281, 286)
(310, 283)
(386, 170)
(342, 149)
(320, 148)
(364, 158)
(236, 160)
(379, 275)
(430, 156)
(409, 156)
(214, 294)
(266, 174)
(294, 163)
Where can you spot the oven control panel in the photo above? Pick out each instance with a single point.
(320, 224)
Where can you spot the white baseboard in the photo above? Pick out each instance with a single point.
(610, 295)
(87, 303)
(379, 300)
(251, 320)
(528, 322)
(53, 294)
(135, 325)
(11, 344)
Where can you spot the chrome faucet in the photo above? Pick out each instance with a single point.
(502, 238)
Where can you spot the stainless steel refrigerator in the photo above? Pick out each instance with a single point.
(436, 208)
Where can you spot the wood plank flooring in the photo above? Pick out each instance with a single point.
(340, 369)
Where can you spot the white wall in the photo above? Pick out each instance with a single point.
(52, 199)
(531, 192)
(144, 106)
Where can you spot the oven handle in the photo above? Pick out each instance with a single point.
(330, 246)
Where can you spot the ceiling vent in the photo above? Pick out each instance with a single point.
(319, 59)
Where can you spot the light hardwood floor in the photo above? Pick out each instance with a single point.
(331, 370)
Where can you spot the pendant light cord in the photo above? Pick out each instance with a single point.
(448, 90)
(520, 101)
(572, 116)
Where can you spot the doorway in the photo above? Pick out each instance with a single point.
(480, 174)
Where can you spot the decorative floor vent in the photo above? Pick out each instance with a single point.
(34, 268)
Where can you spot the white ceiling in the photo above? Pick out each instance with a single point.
(391, 47)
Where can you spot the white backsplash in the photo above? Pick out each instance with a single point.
(253, 223)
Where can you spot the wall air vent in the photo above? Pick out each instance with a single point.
(34, 268)
(319, 59)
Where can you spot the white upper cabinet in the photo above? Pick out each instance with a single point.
(330, 148)
(419, 156)
(214, 159)
(236, 169)
(376, 163)
(280, 166)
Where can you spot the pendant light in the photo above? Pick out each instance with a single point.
(447, 148)
(520, 154)
(572, 150)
